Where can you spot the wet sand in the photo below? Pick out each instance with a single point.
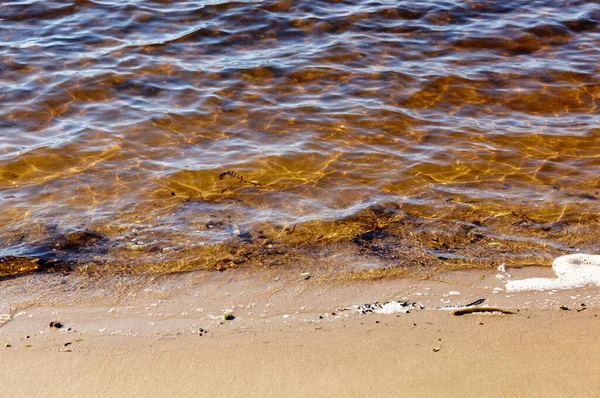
(308, 341)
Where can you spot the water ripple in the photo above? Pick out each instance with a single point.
(121, 116)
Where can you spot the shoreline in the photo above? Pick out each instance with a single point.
(174, 304)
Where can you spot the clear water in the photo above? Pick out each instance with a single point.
(161, 136)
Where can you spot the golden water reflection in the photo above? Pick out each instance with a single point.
(351, 137)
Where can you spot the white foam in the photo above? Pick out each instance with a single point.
(393, 307)
(572, 271)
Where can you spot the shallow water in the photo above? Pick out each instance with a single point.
(159, 136)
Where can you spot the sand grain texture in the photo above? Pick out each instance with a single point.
(532, 353)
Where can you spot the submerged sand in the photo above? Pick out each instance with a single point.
(301, 337)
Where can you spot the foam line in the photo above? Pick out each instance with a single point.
(572, 271)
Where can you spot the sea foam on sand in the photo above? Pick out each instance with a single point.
(572, 271)
(394, 307)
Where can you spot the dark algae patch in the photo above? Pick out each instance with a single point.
(57, 253)
(392, 238)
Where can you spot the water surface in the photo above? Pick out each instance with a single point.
(159, 136)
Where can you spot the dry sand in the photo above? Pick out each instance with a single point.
(540, 350)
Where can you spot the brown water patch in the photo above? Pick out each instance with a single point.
(388, 239)
(364, 139)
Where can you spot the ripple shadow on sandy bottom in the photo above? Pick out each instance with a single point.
(370, 138)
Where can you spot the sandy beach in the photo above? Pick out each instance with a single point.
(299, 198)
(309, 342)
(534, 353)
